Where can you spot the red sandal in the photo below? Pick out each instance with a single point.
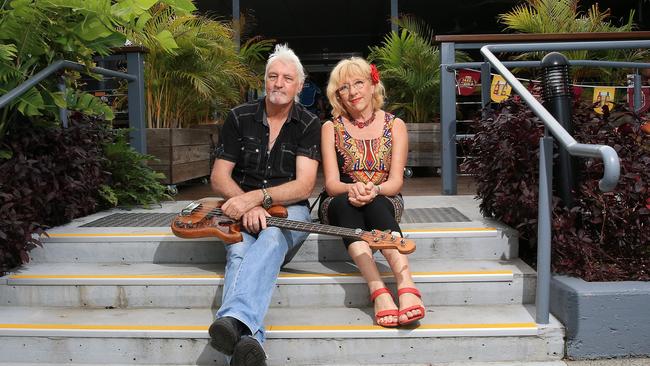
(416, 292)
(384, 313)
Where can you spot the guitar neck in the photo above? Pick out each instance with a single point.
(311, 227)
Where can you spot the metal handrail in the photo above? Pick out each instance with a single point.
(53, 68)
(134, 75)
(604, 152)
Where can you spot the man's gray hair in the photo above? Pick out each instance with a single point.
(283, 53)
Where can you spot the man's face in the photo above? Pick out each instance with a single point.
(282, 83)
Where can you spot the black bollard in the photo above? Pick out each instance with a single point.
(557, 96)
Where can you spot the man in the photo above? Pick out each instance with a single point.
(268, 154)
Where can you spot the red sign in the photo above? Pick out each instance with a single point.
(645, 99)
(466, 81)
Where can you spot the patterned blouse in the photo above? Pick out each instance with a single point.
(364, 160)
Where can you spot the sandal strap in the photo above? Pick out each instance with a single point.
(409, 290)
(379, 291)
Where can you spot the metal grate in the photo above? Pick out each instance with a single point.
(141, 219)
(432, 215)
(133, 220)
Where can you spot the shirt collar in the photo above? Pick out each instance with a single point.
(260, 114)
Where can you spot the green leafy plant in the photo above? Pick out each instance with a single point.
(565, 16)
(410, 69)
(131, 182)
(604, 237)
(191, 73)
(36, 33)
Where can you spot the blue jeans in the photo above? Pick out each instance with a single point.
(252, 268)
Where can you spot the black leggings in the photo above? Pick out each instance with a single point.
(378, 214)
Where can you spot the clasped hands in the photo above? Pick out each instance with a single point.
(361, 194)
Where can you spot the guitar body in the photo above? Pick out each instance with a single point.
(203, 218)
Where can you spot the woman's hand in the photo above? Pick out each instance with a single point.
(360, 194)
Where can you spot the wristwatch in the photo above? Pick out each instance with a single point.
(267, 201)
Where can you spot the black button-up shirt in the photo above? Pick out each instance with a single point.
(244, 140)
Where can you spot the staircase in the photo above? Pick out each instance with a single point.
(140, 296)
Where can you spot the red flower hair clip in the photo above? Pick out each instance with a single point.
(374, 74)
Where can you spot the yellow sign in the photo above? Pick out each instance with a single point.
(603, 96)
(500, 90)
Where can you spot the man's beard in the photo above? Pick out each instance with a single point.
(277, 97)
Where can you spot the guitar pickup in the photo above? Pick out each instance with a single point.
(187, 211)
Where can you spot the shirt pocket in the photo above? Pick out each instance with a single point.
(288, 158)
(251, 153)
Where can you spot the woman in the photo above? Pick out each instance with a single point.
(364, 151)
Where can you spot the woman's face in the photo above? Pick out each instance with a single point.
(355, 93)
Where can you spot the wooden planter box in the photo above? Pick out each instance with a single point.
(424, 145)
(184, 153)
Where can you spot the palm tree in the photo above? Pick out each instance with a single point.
(192, 70)
(564, 16)
(410, 68)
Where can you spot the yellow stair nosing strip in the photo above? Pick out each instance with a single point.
(169, 233)
(271, 328)
(218, 276)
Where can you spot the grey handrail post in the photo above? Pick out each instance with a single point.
(448, 118)
(637, 91)
(542, 296)
(486, 80)
(63, 112)
(137, 123)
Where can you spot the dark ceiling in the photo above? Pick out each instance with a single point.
(322, 30)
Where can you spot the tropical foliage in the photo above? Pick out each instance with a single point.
(410, 69)
(604, 237)
(75, 30)
(565, 16)
(192, 73)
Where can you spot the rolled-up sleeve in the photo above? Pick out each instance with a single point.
(309, 144)
(229, 146)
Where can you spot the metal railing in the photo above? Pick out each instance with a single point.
(553, 129)
(134, 75)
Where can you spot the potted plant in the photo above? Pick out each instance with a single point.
(193, 75)
(410, 67)
(600, 247)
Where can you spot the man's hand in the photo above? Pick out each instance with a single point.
(255, 220)
(237, 206)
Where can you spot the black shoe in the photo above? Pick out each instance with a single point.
(248, 352)
(225, 333)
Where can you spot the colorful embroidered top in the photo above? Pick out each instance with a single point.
(364, 160)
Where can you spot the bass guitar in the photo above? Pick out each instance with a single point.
(204, 218)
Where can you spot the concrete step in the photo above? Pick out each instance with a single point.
(472, 238)
(159, 245)
(119, 285)
(501, 363)
(296, 336)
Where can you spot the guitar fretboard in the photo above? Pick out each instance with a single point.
(313, 227)
(309, 227)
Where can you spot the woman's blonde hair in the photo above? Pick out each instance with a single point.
(347, 69)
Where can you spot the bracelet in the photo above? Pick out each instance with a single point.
(378, 187)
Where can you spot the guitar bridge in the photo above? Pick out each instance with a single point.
(187, 211)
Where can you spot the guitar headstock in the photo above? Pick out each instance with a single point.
(385, 240)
